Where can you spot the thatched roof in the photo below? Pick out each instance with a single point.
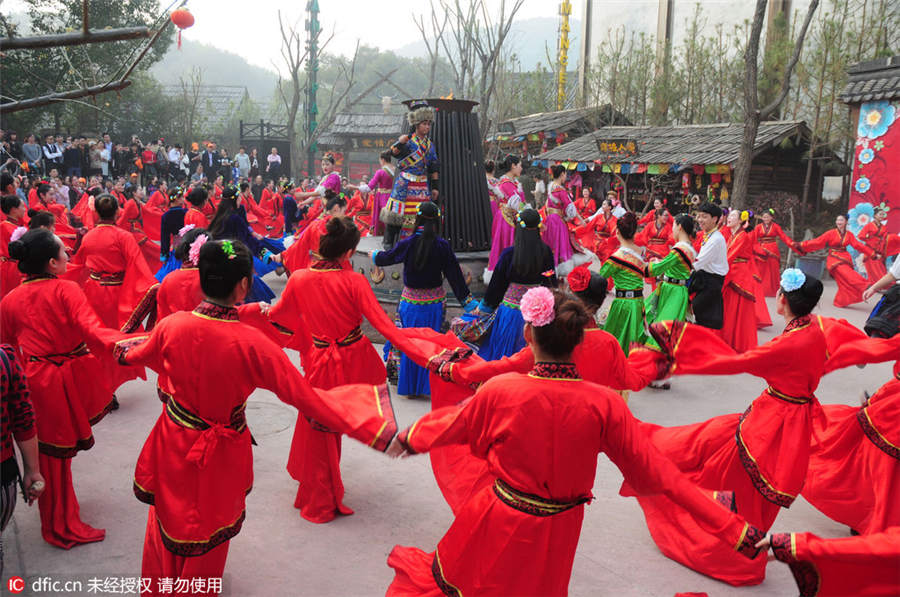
(682, 144)
(577, 121)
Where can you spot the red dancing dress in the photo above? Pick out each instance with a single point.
(10, 277)
(768, 255)
(196, 467)
(179, 291)
(761, 455)
(866, 566)
(328, 301)
(152, 213)
(854, 468)
(455, 375)
(196, 217)
(658, 240)
(875, 236)
(118, 284)
(840, 266)
(130, 221)
(58, 335)
(599, 235)
(299, 255)
(739, 296)
(540, 434)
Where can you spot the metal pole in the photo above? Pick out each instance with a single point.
(312, 68)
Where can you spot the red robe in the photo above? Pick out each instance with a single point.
(58, 335)
(196, 466)
(657, 240)
(130, 220)
(118, 284)
(761, 455)
(840, 266)
(152, 213)
(768, 255)
(739, 296)
(299, 254)
(196, 217)
(540, 434)
(61, 227)
(179, 291)
(324, 306)
(599, 235)
(875, 236)
(648, 217)
(460, 475)
(10, 277)
(867, 566)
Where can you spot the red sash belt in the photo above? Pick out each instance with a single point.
(353, 336)
(108, 278)
(533, 504)
(59, 359)
(211, 432)
(792, 399)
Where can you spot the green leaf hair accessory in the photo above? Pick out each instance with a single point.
(228, 249)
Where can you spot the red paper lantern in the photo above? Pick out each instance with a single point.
(182, 18)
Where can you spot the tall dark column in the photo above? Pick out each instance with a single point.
(463, 186)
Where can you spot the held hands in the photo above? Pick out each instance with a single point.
(397, 449)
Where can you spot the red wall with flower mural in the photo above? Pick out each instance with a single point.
(876, 163)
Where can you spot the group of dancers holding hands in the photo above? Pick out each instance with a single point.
(525, 394)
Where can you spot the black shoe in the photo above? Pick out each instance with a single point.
(114, 405)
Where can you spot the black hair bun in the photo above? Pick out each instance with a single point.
(18, 250)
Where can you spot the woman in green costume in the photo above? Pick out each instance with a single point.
(626, 267)
(669, 301)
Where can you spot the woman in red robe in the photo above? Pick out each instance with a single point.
(854, 468)
(114, 275)
(152, 212)
(540, 434)
(180, 290)
(875, 235)
(129, 219)
(14, 210)
(738, 292)
(766, 235)
(599, 234)
(300, 254)
(762, 454)
(839, 263)
(58, 335)
(197, 204)
(196, 467)
(456, 373)
(328, 301)
(867, 566)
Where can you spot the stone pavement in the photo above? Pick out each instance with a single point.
(396, 502)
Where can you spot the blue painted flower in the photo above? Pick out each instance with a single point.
(875, 118)
(863, 184)
(866, 156)
(860, 215)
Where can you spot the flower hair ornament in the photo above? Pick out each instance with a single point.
(745, 215)
(18, 233)
(579, 278)
(185, 229)
(538, 306)
(228, 249)
(792, 279)
(194, 252)
(424, 215)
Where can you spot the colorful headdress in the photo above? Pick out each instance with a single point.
(194, 251)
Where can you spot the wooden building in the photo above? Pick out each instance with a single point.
(356, 140)
(536, 133)
(676, 162)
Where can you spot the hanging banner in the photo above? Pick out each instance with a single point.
(876, 163)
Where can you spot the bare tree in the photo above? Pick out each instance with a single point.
(459, 50)
(432, 44)
(753, 114)
(190, 98)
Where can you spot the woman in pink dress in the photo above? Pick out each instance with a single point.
(381, 184)
(560, 209)
(511, 197)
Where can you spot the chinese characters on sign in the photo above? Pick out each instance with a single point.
(565, 9)
(617, 148)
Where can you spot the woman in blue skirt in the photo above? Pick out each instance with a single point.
(526, 264)
(171, 225)
(427, 260)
